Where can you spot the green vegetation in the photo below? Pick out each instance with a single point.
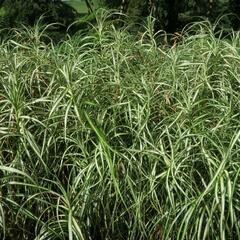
(110, 136)
(15, 13)
(173, 15)
(81, 6)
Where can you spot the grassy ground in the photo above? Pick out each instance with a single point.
(107, 136)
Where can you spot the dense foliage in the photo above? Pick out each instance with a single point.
(16, 12)
(109, 137)
(173, 15)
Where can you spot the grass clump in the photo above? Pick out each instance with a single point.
(107, 136)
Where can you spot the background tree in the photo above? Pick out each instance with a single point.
(27, 12)
(172, 15)
(234, 6)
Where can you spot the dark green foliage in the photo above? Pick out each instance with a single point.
(137, 10)
(235, 9)
(172, 15)
(112, 4)
(28, 12)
